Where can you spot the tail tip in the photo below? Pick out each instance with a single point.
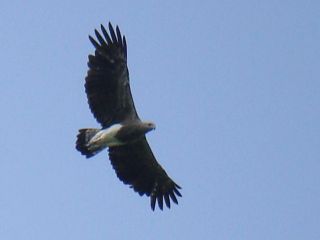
(81, 143)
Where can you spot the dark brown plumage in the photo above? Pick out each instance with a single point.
(110, 100)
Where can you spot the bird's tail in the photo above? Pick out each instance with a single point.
(83, 139)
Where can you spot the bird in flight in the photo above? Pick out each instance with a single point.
(123, 133)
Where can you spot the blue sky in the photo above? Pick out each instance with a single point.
(233, 86)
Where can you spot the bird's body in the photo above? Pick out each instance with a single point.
(110, 100)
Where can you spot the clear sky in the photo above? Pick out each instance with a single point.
(233, 86)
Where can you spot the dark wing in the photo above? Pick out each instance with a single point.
(107, 82)
(136, 165)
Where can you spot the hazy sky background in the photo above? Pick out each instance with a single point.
(233, 86)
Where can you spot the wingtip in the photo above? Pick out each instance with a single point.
(94, 42)
(164, 198)
(160, 202)
(177, 192)
(152, 202)
(103, 29)
(173, 197)
(112, 33)
(167, 200)
(110, 26)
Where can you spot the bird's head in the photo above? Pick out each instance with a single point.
(148, 125)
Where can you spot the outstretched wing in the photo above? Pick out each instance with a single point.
(136, 165)
(107, 82)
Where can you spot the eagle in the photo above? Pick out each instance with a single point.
(122, 132)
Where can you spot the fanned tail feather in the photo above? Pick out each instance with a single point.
(83, 139)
